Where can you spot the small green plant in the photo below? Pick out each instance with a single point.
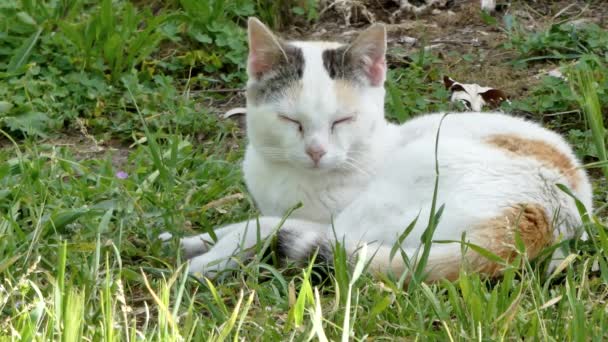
(24, 24)
(416, 89)
(559, 42)
(216, 27)
(120, 36)
(307, 9)
(551, 95)
(65, 66)
(280, 14)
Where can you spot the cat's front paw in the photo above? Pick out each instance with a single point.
(191, 245)
(195, 245)
(165, 237)
(208, 265)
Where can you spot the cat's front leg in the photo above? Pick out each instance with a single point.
(198, 244)
(244, 235)
(202, 243)
(238, 238)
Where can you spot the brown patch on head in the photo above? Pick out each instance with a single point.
(448, 82)
(541, 151)
(452, 85)
(494, 97)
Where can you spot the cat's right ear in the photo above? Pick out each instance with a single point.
(264, 49)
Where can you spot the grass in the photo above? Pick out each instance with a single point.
(131, 87)
(585, 85)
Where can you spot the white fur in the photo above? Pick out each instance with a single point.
(488, 5)
(377, 177)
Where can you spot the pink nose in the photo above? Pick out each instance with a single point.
(315, 153)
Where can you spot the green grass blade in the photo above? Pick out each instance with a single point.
(585, 87)
(229, 325)
(23, 53)
(434, 216)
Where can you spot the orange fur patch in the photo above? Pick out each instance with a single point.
(497, 235)
(541, 151)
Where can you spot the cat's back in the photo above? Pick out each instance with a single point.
(475, 125)
(503, 154)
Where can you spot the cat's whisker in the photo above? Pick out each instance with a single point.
(357, 161)
(353, 166)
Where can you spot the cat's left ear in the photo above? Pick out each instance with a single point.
(265, 49)
(369, 51)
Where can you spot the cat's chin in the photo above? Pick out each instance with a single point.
(307, 167)
(321, 169)
(313, 168)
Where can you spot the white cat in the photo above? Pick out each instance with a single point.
(317, 135)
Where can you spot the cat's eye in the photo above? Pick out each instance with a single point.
(287, 118)
(342, 120)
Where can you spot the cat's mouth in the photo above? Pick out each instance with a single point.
(325, 168)
(316, 168)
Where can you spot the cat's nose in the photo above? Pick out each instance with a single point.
(315, 153)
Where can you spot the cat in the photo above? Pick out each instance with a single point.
(317, 136)
(473, 96)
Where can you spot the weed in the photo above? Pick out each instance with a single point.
(215, 26)
(558, 42)
(587, 91)
(417, 89)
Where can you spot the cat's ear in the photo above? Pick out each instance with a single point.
(369, 50)
(264, 49)
(493, 97)
(452, 85)
(448, 82)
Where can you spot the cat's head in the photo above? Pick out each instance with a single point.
(314, 105)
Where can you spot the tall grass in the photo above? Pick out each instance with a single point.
(585, 86)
